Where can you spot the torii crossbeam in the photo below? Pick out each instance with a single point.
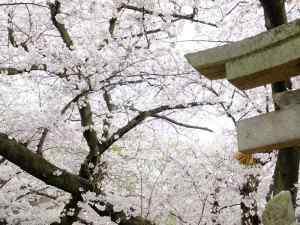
(268, 57)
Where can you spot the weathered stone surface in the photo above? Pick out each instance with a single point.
(256, 60)
(279, 210)
(277, 63)
(287, 98)
(274, 130)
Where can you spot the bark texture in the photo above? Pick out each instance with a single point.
(52, 175)
(40, 168)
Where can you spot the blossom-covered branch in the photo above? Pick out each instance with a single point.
(55, 11)
(90, 169)
(119, 217)
(190, 17)
(142, 115)
(52, 175)
(182, 124)
(40, 168)
(14, 71)
(22, 3)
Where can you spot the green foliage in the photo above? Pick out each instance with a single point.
(171, 219)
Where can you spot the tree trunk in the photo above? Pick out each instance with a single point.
(249, 215)
(287, 165)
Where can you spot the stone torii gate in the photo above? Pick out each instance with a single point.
(271, 56)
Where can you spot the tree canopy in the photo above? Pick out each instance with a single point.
(104, 121)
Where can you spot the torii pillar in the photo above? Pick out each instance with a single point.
(270, 57)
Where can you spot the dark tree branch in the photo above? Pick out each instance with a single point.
(43, 170)
(91, 168)
(112, 25)
(42, 141)
(223, 106)
(55, 10)
(37, 192)
(229, 206)
(181, 124)
(249, 213)
(74, 100)
(142, 115)
(119, 217)
(190, 17)
(146, 32)
(11, 35)
(93, 157)
(5, 182)
(178, 217)
(128, 82)
(40, 168)
(22, 3)
(274, 11)
(106, 120)
(13, 71)
(90, 135)
(233, 8)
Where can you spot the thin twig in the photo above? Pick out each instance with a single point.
(175, 15)
(23, 3)
(182, 124)
(42, 141)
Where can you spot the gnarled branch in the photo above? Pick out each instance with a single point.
(40, 168)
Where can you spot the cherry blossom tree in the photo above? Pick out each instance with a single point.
(103, 121)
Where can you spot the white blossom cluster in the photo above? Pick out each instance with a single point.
(125, 58)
